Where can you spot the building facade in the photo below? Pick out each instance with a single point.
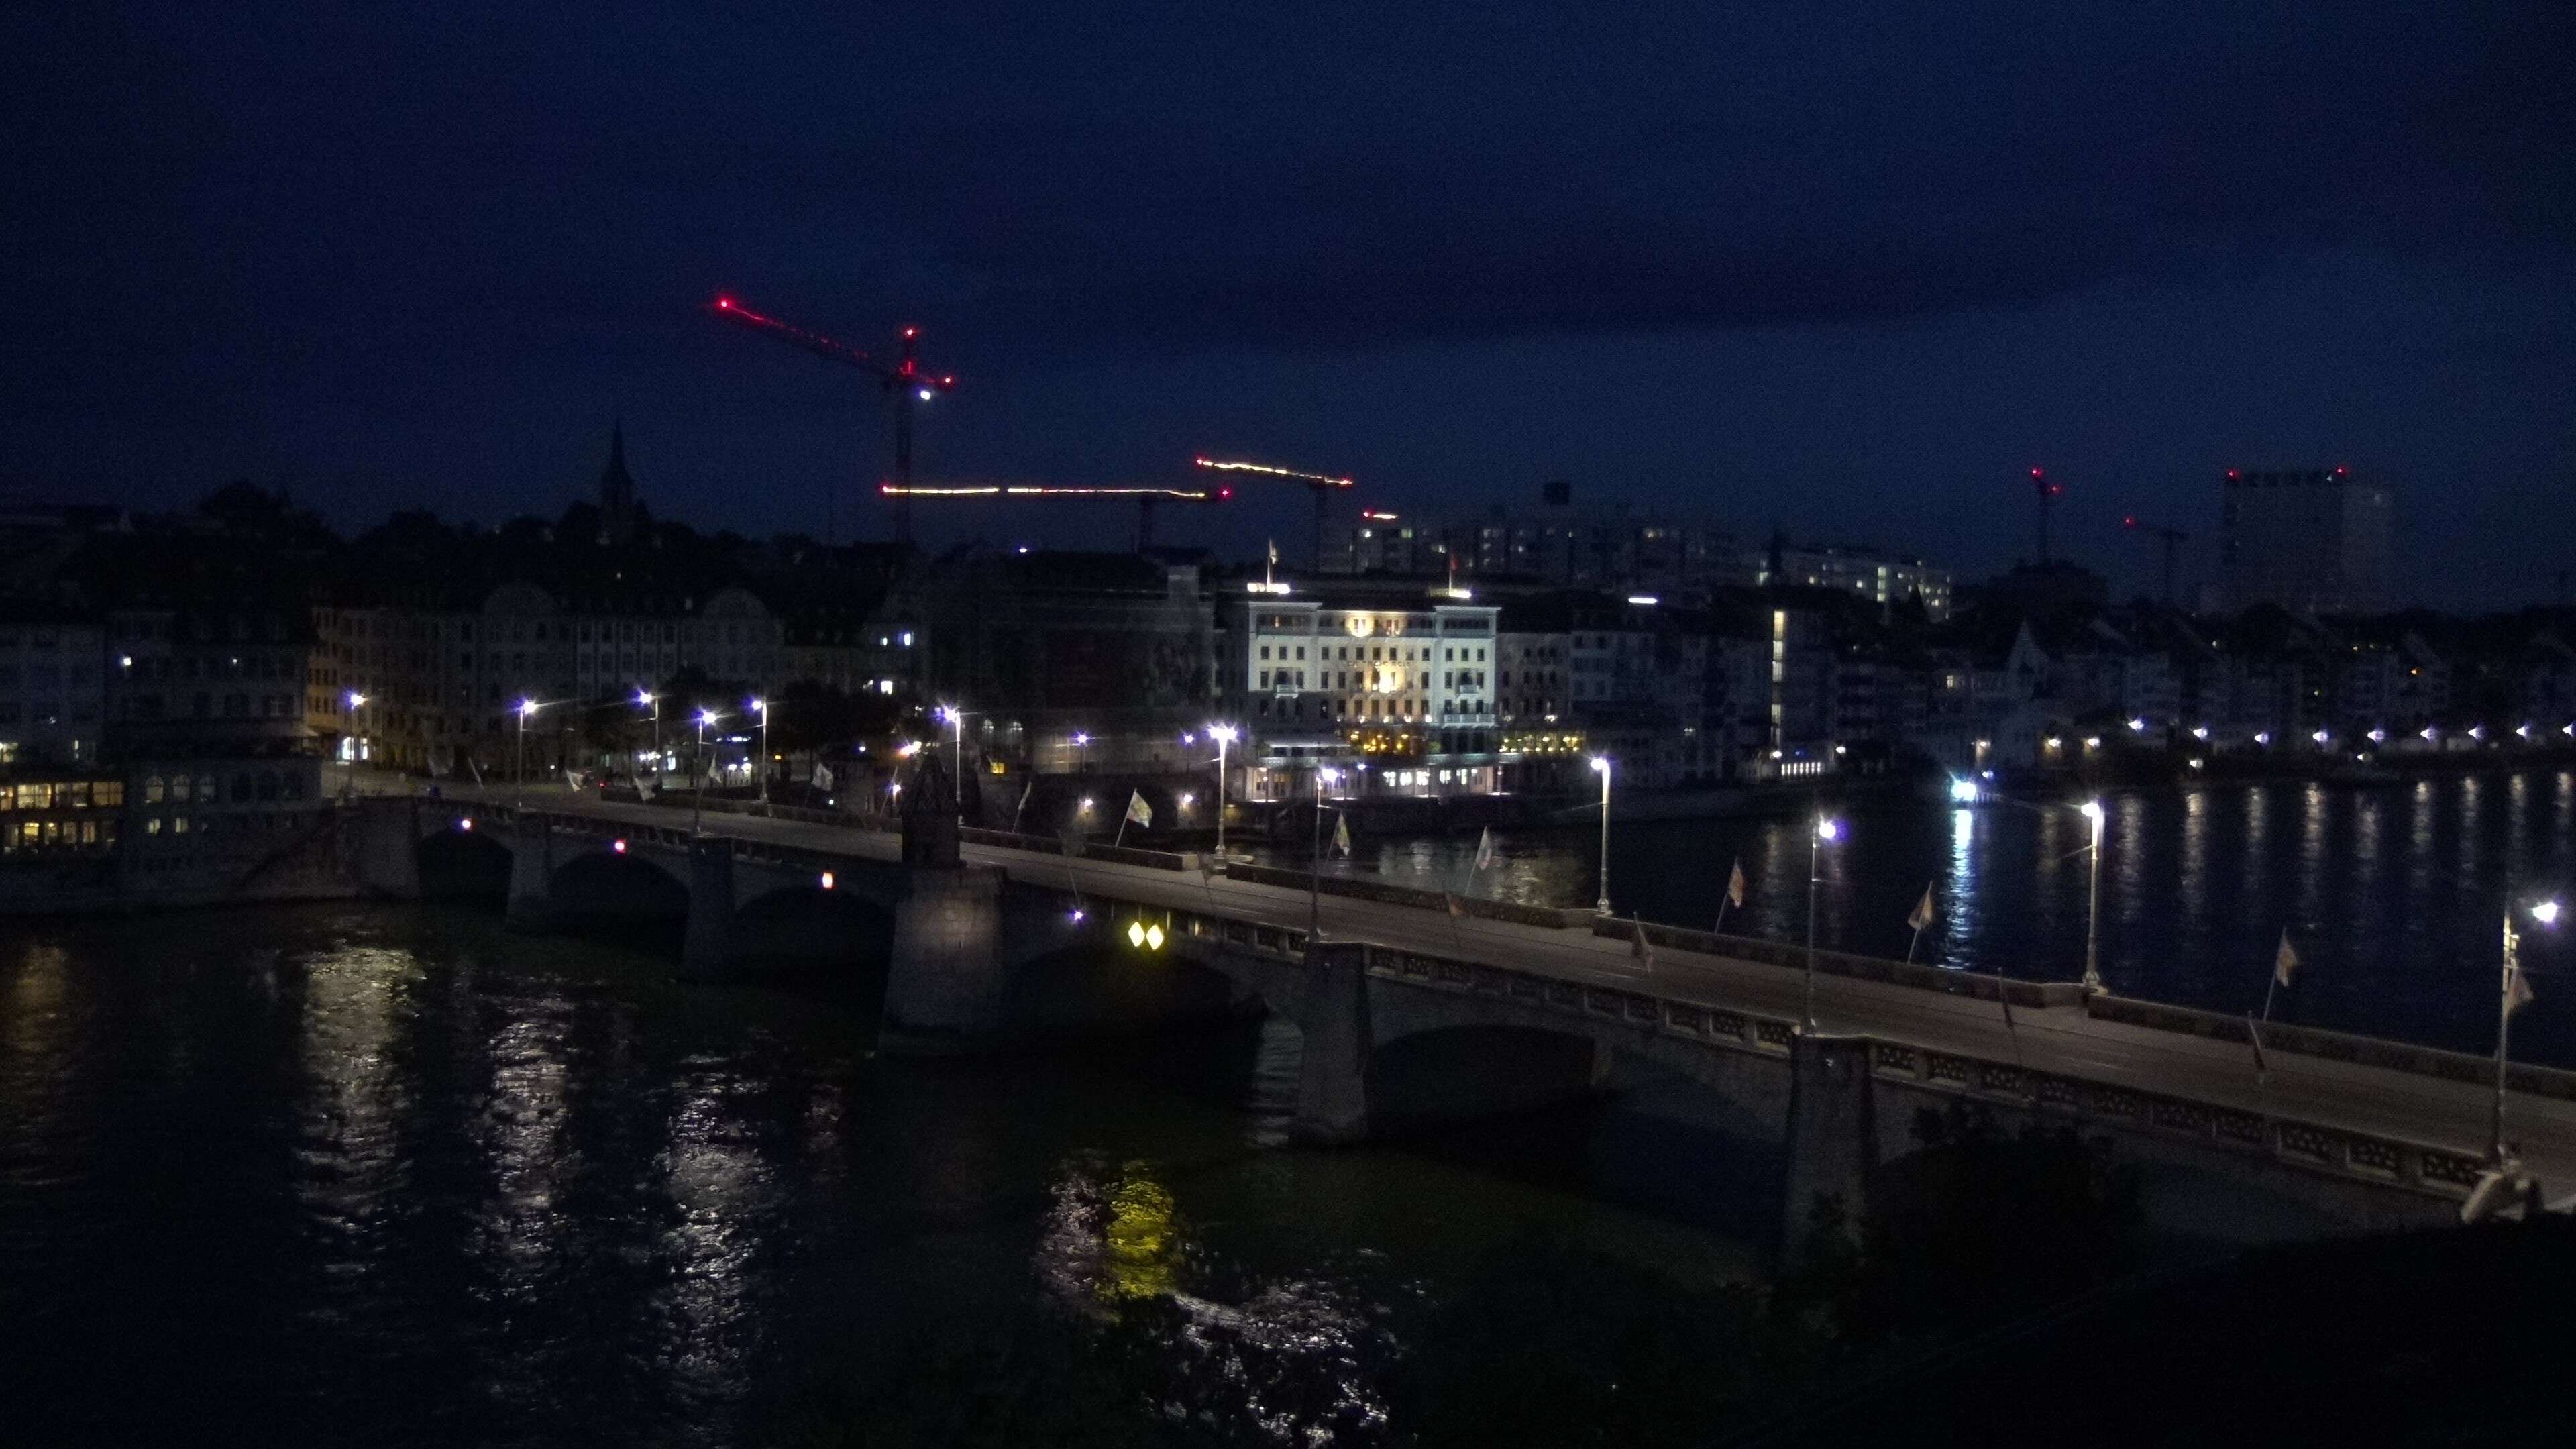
(2313, 541)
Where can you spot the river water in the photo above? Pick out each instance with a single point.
(392, 1175)
(2392, 894)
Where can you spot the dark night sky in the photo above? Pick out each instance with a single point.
(1848, 268)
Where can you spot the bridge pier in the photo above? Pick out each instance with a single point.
(1833, 1137)
(388, 848)
(709, 939)
(532, 862)
(945, 986)
(1332, 1072)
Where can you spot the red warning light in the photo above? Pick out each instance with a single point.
(910, 332)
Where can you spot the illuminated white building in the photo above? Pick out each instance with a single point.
(1391, 684)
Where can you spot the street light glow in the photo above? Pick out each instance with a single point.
(1964, 791)
(527, 707)
(356, 700)
(2092, 810)
(2545, 912)
(1829, 829)
(1601, 763)
(1223, 733)
(644, 697)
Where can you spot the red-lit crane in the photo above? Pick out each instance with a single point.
(1144, 496)
(1323, 485)
(903, 380)
(2047, 492)
(2173, 538)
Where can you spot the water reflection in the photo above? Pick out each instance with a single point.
(717, 1182)
(2389, 892)
(356, 1095)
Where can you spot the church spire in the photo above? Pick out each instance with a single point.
(617, 489)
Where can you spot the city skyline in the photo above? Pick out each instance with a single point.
(428, 260)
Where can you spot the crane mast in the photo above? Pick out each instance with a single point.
(903, 380)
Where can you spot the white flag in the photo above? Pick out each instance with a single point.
(1922, 913)
(1342, 835)
(1274, 553)
(822, 777)
(1138, 812)
(1485, 850)
(1640, 947)
(1735, 885)
(2285, 962)
(2517, 990)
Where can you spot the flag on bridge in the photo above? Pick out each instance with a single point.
(1485, 850)
(2285, 962)
(822, 777)
(1640, 947)
(2517, 990)
(1921, 915)
(2254, 1034)
(1342, 833)
(1735, 884)
(1457, 907)
(1138, 812)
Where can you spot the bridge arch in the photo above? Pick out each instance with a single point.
(623, 896)
(457, 864)
(802, 927)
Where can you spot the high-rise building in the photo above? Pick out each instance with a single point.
(2313, 540)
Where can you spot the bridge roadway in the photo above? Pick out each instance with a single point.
(2063, 1040)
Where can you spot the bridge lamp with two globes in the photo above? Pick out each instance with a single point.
(1827, 831)
(2095, 815)
(1224, 735)
(1601, 767)
(526, 711)
(2511, 992)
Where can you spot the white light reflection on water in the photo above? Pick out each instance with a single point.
(521, 1131)
(1956, 914)
(354, 1096)
(719, 1189)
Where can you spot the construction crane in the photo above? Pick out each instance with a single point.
(2047, 492)
(1146, 497)
(1323, 486)
(903, 380)
(2173, 539)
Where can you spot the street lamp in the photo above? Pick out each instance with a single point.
(697, 771)
(1082, 757)
(766, 808)
(1827, 831)
(957, 756)
(2094, 813)
(519, 781)
(357, 745)
(652, 701)
(1315, 863)
(1601, 767)
(1224, 735)
(2546, 913)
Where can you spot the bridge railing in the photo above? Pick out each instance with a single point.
(1388, 893)
(2433, 1169)
(1916, 975)
(2395, 1056)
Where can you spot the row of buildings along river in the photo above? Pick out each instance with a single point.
(174, 689)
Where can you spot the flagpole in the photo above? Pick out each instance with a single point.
(1910, 945)
(1120, 838)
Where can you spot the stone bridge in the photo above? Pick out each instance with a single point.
(1425, 1025)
